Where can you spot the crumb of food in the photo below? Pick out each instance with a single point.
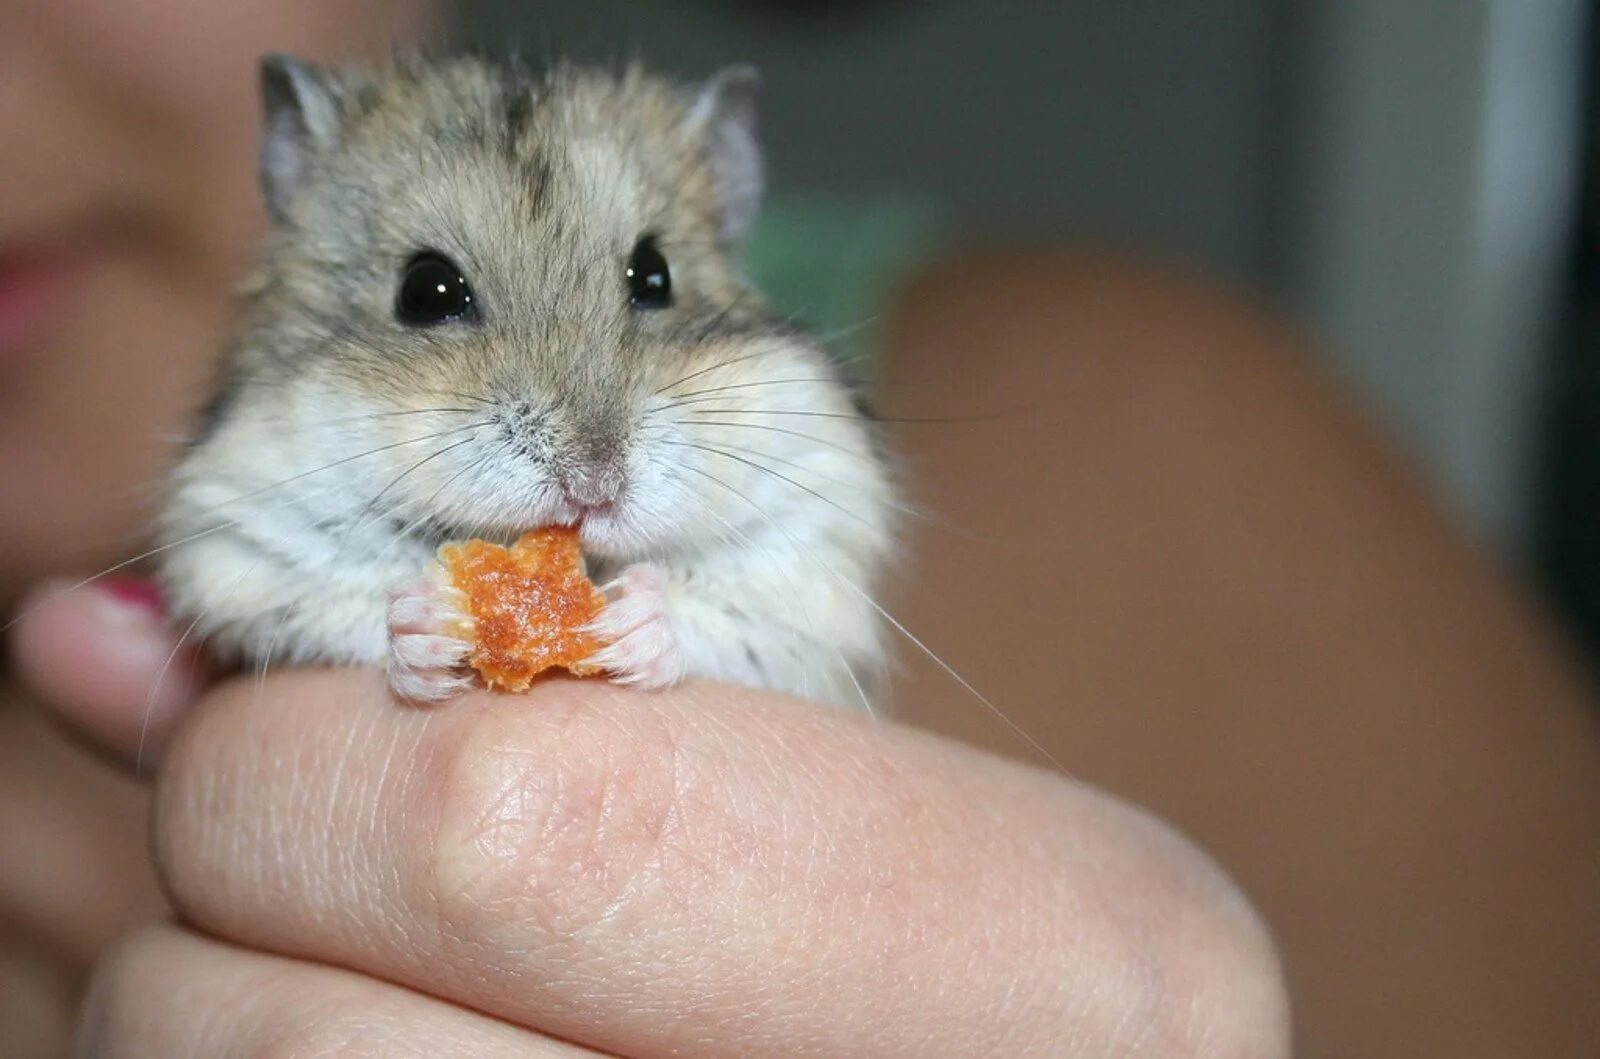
(527, 606)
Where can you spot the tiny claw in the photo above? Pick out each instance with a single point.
(642, 649)
(427, 642)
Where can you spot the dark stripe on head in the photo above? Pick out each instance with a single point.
(518, 113)
(517, 102)
(535, 176)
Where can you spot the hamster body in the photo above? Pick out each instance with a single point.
(491, 301)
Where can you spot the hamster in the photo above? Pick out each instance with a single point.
(491, 300)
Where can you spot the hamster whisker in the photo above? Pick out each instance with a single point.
(931, 518)
(471, 397)
(837, 333)
(935, 420)
(716, 367)
(772, 523)
(303, 475)
(694, 397)
(386, 415)
(108, 571)
(797, 595)
(704, 329)
(951, 672)
(826, 442)
(904, 509)
(396, 480)
(349, 534)
(177, 648)
(426, 504)
(679, 398)
(850, 671)
(221, 526)
(124, 564)
(899, 626)
(781, 477)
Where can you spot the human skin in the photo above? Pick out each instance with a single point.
(129, 168)
(128, 212)
(704, 870)
(1175, 396)
(1397, 851)
(1466, 844)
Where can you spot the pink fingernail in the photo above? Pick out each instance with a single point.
(136, 593)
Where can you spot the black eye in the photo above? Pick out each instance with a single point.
(649, 281)
(432, 291)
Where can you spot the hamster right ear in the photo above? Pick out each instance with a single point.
(725, 114)
(301, 106)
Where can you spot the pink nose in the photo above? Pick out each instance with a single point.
(599, 507)
(590, 492)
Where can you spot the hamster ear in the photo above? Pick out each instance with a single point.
(301, 107)
(725, 114)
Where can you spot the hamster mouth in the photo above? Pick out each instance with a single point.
(604, 531)
(609, 527)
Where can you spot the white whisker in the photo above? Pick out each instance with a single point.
(161, 675)
(899, 626)
(220, 527)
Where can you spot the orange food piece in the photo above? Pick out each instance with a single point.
(526, 605)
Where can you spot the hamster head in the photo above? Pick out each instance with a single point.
(492, 300)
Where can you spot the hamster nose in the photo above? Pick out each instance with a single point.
(590, 490)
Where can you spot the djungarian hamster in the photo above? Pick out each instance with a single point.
(492, 300)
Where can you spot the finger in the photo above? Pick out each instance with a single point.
(106, 659)
(36, 1000)
(704, 870)
(168, 992)
(75, 865)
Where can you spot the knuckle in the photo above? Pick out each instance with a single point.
(550, 818)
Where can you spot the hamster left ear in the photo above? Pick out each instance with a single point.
(725, 114)
(301, 106)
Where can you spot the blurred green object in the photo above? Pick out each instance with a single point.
(835, 264)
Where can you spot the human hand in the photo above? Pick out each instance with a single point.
(75, 866)
(705, 871)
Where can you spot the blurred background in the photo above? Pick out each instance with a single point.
(1180, 566)
(1405, 181)
(1410, 183)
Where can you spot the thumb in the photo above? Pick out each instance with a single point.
(106, 659)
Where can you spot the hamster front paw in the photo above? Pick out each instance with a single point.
(636, 624)
(426, 654)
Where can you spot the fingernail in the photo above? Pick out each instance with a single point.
(137, 595)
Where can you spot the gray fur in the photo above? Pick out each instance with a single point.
(727, 110)
(312, 487)
(300, 106)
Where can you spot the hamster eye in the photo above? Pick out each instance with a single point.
(649, 281)
(432, 291)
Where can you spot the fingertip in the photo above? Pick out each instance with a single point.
(105, 659)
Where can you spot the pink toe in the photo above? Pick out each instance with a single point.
(426, 651)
